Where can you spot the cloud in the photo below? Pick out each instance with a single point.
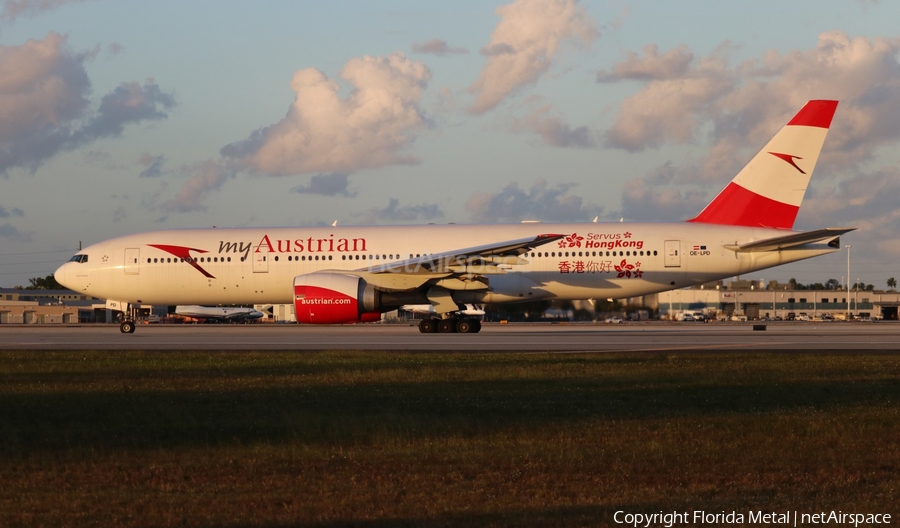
(868, 201)
(9, 232)
(205, 177)
(687, 99)
(13, 9)
(407, 213)
(153, 165)
(323, 132)
(44, 103)
(119, 214)
(554, 130)
(6, 213)
(653, 199)
(652, 66)
(128, 103)
(540, 202)
(437, 47)
(327, 185)
(530, 33)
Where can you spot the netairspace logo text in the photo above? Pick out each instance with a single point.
(788, 518)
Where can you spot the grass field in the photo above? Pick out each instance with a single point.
(382, 439)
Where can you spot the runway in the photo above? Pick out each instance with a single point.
(556, 338)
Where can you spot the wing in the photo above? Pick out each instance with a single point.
(462, 269)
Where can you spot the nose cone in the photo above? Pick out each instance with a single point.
(63, 275)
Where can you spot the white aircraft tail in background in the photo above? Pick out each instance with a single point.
(351, 274)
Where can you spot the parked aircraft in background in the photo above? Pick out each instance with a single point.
(219, 313)
(351, 274)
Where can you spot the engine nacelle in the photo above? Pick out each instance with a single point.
(334, 298)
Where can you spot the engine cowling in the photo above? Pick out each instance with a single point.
(334, 298)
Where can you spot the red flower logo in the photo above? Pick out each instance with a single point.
(629, 270)
(572, 240)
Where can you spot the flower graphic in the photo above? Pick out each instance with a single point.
(573, 240)
(629, 270)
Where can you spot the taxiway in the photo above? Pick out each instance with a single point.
(558, 338)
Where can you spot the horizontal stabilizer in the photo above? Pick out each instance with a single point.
(791, 241)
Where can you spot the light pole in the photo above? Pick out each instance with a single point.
(848, 246)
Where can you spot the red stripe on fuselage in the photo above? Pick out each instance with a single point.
(815, 114)
(738, 206)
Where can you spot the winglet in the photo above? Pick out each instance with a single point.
(768, 191)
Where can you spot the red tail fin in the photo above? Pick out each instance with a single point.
(768, 191)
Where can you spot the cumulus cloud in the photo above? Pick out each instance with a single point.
(9, 232)
(6, 213)
(866, 200)
(327, 185)
(128, 103)
(45, 105)
(119, 214)
(734, 108)
(530, 33)
(650, 66)
(654, 199)
(540, 202)
(394, 212)
(437, 47)
(685, 97)
(554, 130)
(152, 165)
(204, 178)
(13, 9)
(322, 132)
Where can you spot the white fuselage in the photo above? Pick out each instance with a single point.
(243, 266)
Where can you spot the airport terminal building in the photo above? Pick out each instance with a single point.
(756, 300)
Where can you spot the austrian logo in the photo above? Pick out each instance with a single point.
(789, 159)
(184, 253)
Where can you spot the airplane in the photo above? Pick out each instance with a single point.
(219, 313)
(352, 274)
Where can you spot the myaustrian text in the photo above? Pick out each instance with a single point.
(787, 517)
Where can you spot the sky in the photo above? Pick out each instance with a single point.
(118, 117)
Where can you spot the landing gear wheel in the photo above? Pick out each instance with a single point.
(427, 326)
(446, 326)
(464, 326)
(476, 326)
(127, 327)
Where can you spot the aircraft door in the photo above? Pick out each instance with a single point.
(132, 261)
(673, 253)
(260, 263)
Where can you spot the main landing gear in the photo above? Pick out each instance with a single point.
(127, 319)
(447, 326)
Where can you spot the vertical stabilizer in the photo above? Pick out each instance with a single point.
(768, 191)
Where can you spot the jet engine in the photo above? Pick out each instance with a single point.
(335, 298)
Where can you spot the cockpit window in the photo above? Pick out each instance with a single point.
(79, 258)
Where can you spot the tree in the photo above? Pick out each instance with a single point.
(892, 283)
(832, 284)
(44, 283)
